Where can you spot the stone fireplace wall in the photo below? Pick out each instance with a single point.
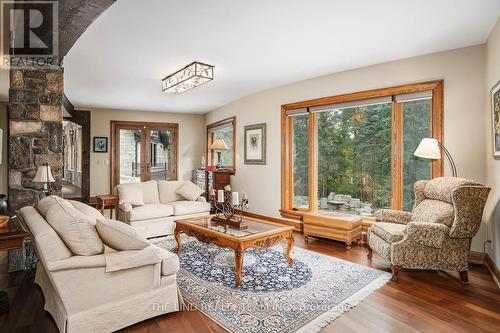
(35, 131)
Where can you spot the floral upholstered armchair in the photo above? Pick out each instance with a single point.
(436, 235)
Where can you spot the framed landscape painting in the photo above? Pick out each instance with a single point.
(495, 118)
(255, 144)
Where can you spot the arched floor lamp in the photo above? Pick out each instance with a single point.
(430, 148)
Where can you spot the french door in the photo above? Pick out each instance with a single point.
(143, 151)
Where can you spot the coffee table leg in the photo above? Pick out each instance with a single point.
(291, 241)
(177, 235)
(238, 259)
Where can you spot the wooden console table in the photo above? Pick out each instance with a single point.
(344, 228)
(259, 234)
(208, 180)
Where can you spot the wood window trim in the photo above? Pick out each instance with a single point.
(209, 133)
(116, 125)
(436, 126)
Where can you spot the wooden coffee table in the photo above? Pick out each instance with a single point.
(259, 234)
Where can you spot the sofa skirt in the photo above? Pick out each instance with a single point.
(112, 316)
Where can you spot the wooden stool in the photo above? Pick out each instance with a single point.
(107, 202)
(344, 228)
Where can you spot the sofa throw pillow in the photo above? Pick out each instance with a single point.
(75, 229)
(189, 191)
(150, 192)
(120, 236)
(166, 190)
(92, 213)
(43, 205)
(130, 193)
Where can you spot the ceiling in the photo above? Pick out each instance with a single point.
(120, 59)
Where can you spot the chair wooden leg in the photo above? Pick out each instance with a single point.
(463, 276)
(370, 253)
(395, 271)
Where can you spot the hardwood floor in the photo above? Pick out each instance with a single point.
(421, 301)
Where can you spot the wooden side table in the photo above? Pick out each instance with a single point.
(11, 237)
(107, 202)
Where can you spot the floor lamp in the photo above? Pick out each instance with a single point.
(430, 148)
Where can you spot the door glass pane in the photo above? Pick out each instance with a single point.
(300, 157)
(162, 156)
(130, 156)
(416, 126)
(354, 159)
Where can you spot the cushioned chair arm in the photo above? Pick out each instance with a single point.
(76, 262)
(427, 233)
(202, 199)
(397, 216)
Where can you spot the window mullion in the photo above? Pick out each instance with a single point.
(313, 162)
(397, 156)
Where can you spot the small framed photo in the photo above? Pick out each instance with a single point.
(100, 144)
(255, 144)
(495, 119)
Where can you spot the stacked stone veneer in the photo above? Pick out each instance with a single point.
(35, 131)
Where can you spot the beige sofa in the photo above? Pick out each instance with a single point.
(162, 206)
(82, 296)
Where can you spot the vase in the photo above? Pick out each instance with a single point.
(3, 204)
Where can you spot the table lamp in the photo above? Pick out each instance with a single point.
(219, 145)
(430, 148)
(44, 175)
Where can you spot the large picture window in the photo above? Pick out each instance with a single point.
(353, 154)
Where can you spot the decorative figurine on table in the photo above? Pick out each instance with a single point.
(203, 163)
(228, 208)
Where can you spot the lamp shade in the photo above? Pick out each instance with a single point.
(428, 148)
(44, 175)
(219, 144)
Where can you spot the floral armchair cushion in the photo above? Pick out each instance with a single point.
(434, 211)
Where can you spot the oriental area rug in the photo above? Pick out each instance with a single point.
(274, 296)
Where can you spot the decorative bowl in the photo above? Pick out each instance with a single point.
(3, 221)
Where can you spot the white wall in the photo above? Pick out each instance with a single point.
(464, 117)
(191, 142)
(492, 212)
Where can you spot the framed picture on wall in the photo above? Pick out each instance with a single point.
(100, 144)
(495, 118)
(255, 144)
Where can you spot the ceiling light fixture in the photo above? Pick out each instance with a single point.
(191, 76)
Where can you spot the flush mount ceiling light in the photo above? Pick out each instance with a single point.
(191, 76)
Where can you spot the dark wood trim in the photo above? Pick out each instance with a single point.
(476, 257)
(68, 105)
(492, 267)
(144, 126)
(397, 196)
(83, 118)
(230, 120)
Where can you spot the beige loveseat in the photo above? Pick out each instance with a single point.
(161, 206)
(83, 295)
